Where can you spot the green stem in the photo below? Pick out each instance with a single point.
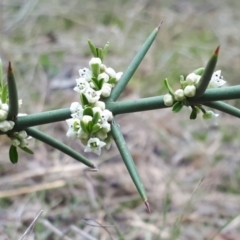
(127, 159)
(13, 95)
(224, 107)
(58, 145)
(41, 118)
(127, 75)
(151, 103)
(207, 75)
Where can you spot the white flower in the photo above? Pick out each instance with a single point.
(168, 100)
(189, 91)
(106, 115)
(92, 95)
(76, 110)
(5, 107)
(179, 95)
(82, 85)
(74, 125)
(85, 73)
(106, 89)
(6, 125)
(3, 115)
(192, 79)
(94, 145)
(103, 76)
(217, 80)
(118, 76)
(20, 102)
(99, 104)
(111, 72)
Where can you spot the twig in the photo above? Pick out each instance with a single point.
(82, 233)
(31, 225)
(55, 230)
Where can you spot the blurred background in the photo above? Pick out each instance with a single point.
(191, 170)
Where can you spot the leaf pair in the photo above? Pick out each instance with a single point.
(98, 52)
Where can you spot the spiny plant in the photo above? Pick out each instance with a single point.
(92, 119)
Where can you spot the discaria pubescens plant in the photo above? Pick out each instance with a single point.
(92, 119)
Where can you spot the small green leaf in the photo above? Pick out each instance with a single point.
(100, 83)
(170, 90)
(92, 48)
(96, 117)
(193, 114)
(177, 107)
(199, 71)
(13, 154)
(83, 100)
(84, 127)
(4, 96)
(88, 111)
(105, 50)
(27, 150)
(95, 128)
(90, 126)
(96, 83)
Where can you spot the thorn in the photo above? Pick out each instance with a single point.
(217, 50)
(9, 67)
(147, 205)
(159, 25)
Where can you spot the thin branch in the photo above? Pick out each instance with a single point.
(224, 107)
(31, 225)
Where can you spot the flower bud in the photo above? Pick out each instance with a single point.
(103, 76)
(95, 63)
(22, 134)
(97, 109)
(209, 114)
(100, 104)
(168, 100)
(192, 79)
(106, 90)
(6, 125)
(3, 115)
(189, 91)
(5, 107)
(111, 72)
(15, 142)
(86, 119)
(179, 95)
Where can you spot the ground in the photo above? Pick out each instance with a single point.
(190, 169)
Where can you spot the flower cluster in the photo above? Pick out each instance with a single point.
(20, 139)
(177, 99)
(5, 125)
(90, 120)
